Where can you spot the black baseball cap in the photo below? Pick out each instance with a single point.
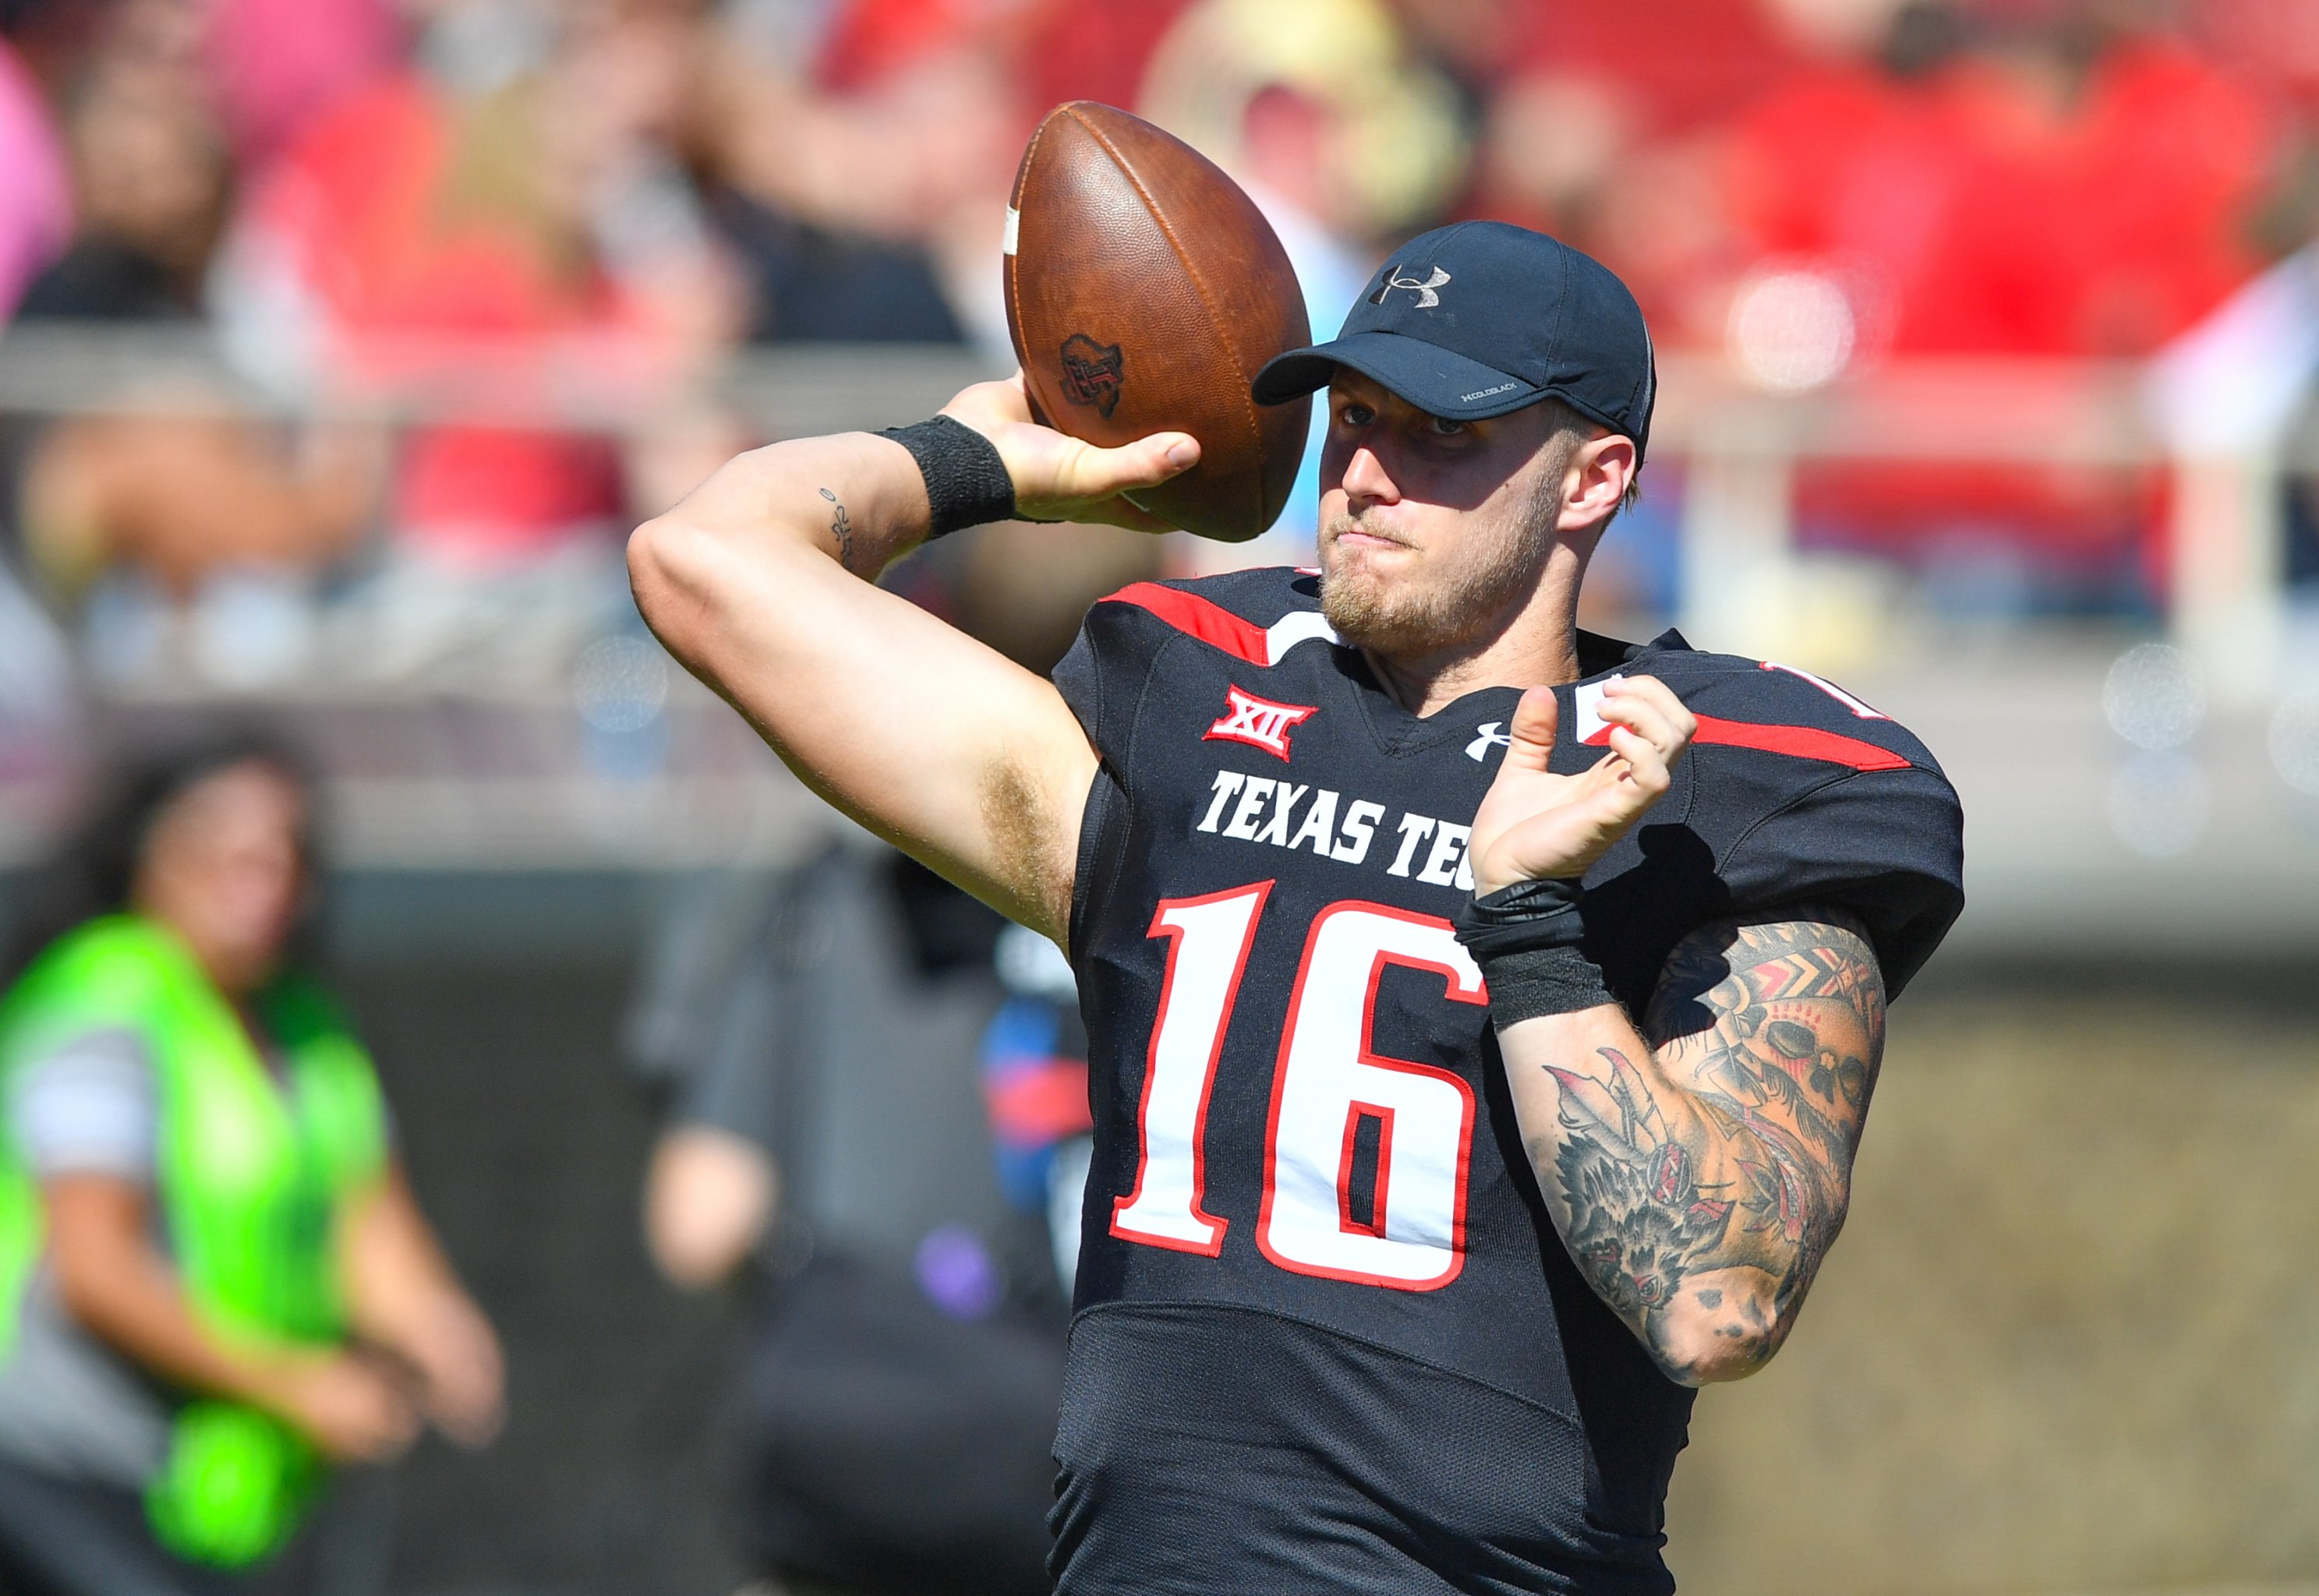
(1481, 318)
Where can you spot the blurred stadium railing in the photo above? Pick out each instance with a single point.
(2151, 791)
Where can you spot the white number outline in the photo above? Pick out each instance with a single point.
(1462, 986)
(1196, 1215)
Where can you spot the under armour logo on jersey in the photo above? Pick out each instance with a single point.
(1259, 722)
(1493, 736)
(1426, 298)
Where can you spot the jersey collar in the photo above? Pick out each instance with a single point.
(1397, 731)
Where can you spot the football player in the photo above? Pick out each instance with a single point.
(1482, 1013)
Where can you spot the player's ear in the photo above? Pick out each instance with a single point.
(1595, 484)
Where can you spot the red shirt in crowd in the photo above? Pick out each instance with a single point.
(1978, 212)
(409, 259)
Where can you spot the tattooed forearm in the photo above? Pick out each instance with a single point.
(1700, 1168)
(841, 528)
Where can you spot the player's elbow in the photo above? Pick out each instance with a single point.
(1719, 1334)
(667, 560)
(1696, 1358)
(654, 559)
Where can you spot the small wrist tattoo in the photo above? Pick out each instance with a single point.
(841, 526)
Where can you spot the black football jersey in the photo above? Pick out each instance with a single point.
(1326, 1336)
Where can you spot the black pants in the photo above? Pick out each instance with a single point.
(896, 1450)
(74, 1538)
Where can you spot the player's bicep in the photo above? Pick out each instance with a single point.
(1778, 1026)
(926, 736)
(1772, 1029)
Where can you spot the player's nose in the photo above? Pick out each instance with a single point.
(1367, 480)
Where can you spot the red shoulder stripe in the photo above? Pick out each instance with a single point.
(1802, 741)
(1211, 623)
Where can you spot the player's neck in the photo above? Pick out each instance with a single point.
(1534, 644)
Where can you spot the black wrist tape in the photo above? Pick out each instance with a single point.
(967, 483)
(1530, 940)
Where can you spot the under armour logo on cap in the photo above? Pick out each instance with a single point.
(1528, 318)
(1426, 298)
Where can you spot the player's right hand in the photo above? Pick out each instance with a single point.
(1061, 478)
(1534, 823)
(350, 1406)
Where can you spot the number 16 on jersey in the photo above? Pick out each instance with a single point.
(1339, 1111)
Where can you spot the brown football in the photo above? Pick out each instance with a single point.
(1144, 291)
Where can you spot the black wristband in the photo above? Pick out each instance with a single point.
(1530, 940)
(967, 483)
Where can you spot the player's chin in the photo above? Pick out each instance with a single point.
(1352, 582)
(1366, 570)
(1366, 611)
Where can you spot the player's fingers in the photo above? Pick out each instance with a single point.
(1099, 473)
(1648, 719)
(1536, 720)
(1651, 691)
(1647, 767)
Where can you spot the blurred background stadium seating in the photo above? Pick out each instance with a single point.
(344, 339)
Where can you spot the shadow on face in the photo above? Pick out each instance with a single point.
(1383, 450)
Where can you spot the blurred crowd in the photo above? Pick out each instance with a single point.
(527, 210)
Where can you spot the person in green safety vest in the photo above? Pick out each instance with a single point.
(214, 1283)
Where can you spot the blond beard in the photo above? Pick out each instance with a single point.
(1400, 620)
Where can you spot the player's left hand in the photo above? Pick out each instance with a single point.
(1534, 823)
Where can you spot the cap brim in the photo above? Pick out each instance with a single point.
(1436, 380)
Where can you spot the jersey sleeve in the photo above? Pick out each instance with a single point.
(1107, 670)
(1886, 845)
(1105, 678)
(1253, 616)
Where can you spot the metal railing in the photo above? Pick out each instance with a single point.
(668, 777)
(1737, 447)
